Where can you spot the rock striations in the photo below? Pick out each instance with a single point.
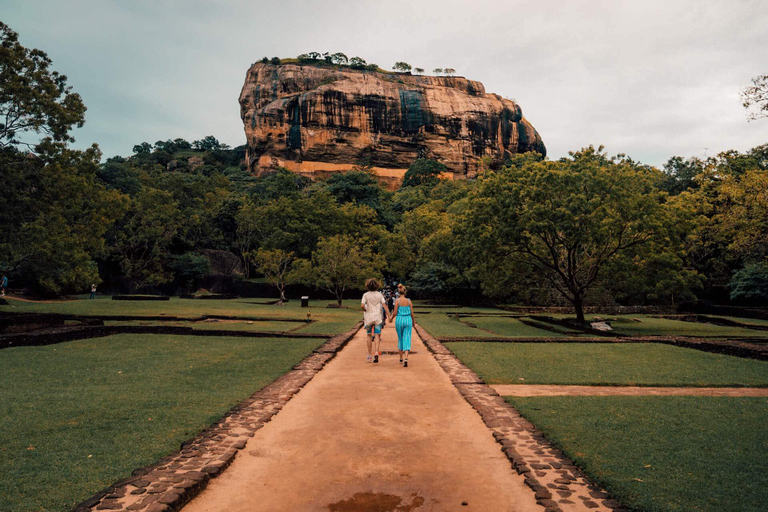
(315, 120)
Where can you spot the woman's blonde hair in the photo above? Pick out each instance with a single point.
(372, 284)
(402, 289)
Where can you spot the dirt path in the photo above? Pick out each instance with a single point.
(372, 437)
(546, 390)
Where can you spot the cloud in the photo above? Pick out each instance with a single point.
(650, 79)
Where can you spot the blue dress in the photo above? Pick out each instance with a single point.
(403, 325)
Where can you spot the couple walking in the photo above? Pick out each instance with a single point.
(375, 307)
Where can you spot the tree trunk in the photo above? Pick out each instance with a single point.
(578, 306)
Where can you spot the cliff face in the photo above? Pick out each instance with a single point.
(316, 120)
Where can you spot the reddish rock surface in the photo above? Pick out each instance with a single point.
(315, 120)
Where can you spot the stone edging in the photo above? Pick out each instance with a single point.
(560, 486)
(173, 481)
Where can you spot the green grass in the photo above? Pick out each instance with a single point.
(743, 320)
(650, 326)
(75, 417)
(511, 327)
(337, 320)
(218, 325)
(664, 454)
(442, 325)
(642, 364)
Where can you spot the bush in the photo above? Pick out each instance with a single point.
(750, 283)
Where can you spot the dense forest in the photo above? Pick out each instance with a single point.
(589, 228)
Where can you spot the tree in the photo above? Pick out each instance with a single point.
(340, 59)
(355, 186)
(756, 95)
(418, 71)
(681, 173)
(248, 231)
(423, 171)
(341, 263)
(189, 268)
(275, 61)
(449, 71)
(275, 265)
(357, 63)
(438, 71)
(32, 97)
(750, 284)
(402, 67)
(144, 148)
(209, 143)
(143, 237)
(565, 220)
(54, 217)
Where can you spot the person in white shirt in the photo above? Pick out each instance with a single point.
(372, 303)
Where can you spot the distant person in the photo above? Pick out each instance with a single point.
(372, 304)
(4, 284)
(391, 303)
(403, 318)
(93, 291)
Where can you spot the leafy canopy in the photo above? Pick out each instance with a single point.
(33, 98)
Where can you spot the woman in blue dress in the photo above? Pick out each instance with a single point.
(403, 317)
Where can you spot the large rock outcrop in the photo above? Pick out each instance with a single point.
(316, 120)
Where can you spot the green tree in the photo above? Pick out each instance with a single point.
(423, 171)
(357, 63)
(190, 268)
(143, 237)
(438, 71)
(142, 149)
(418, 71)
(33, 98)
(341, 263)
(566, 220)
(402, 67)
(248, 232)
(449, 71)
(276, 266)
(209, 143)
(750, 284)
(55, 214)
(340, 59)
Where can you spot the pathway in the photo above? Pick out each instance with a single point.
(550, 390)
(372, 437)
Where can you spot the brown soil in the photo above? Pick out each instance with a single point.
(546, 390)
(372, 438)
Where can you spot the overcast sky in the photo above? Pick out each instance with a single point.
(647, 78)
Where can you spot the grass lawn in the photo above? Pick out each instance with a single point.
(337, 320)
(511, 327)
(439, 324)
(649, 326)
(218, 325)
(642, 364)
(76, 416)
(662, 454)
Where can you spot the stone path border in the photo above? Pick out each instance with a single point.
(559, 390)
(173, 481)
(559, 485)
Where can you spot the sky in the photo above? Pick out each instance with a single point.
(647, 78)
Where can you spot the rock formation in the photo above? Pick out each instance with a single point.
(316, 120)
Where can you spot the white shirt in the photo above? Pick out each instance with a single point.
(373, 302)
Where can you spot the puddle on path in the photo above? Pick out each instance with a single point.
(376, 502)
